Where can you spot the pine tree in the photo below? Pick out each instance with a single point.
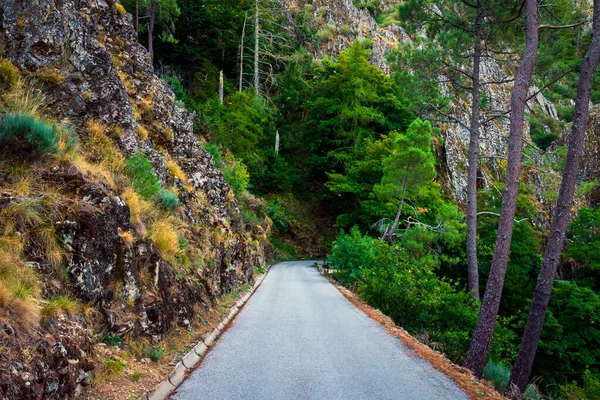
(410, 166)
(480, 345)
(533, 330)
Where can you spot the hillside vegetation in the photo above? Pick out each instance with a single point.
(149, 170)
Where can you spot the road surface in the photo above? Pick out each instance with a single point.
(298, 337)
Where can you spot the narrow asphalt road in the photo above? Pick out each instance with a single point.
(299, 338)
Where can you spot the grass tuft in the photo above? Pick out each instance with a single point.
(164, 234)
(24, 134)
(169, 200)
(120, 9)
(50, 75)
(60, 305)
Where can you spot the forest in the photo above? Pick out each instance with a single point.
(444, 183)
(362, 146)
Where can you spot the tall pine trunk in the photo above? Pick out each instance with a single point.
(242, 55)
(480, 346)
(256, 49)
(137, 17)
(541, 297)
(151, 17)
(472, 266)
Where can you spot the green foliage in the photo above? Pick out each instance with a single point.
(24, 134)
(156, 353)
(169, 200)
(411, 164)
(236, 175)
(278, 215)
(570, 342)
(584, 248)
(143, 178)
(146, 183)
(403, 285)
(589, 390)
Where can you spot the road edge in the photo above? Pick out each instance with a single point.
(193, 358)
(463, 378)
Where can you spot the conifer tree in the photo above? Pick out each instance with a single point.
(533, 330)
(410, 166)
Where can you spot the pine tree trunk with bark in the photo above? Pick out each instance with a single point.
(524, 362)
(480, 345)
(256, 49)
(151, 19)
(472, 265)
(137, 17)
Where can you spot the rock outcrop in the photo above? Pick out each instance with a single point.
(86, 56)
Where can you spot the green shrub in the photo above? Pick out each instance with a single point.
(169, 200)
(237, 176)
(498, 374)
(276, 212)
(114, 367)
(142, 175)
(26, 134)
(406, 288)
(214, 151)
(156, 353)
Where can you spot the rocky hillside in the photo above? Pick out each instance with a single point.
(124, 227)
(338, 23)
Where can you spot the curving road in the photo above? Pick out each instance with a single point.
(298, 337)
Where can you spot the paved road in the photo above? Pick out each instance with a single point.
(299, 338)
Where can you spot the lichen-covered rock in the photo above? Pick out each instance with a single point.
(90, 66)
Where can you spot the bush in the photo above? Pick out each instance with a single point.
(169, 200)
(157, 354)
(406, 288)
(276, 211)
(142, 175)
(10, 76)
(236, 175)
(214, 151)
(24, 134)
(50, 75)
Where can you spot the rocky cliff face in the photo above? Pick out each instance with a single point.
(344, 23)
(341, 23)
(89, 66)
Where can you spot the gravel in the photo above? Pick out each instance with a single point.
(299, 338)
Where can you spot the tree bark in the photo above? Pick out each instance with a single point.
(472, 265)
(390, 234)
(242, 55)
(151, 15)
(137, 17)
(480, 345)
(541, 297)
(221, 88)
(256, 49)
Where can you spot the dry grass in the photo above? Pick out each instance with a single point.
(176, 171)
(120, 9)
(10, 76)
(164, 233)
(103, 149)
(128, 238)
(50, 75)
(142, 133)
